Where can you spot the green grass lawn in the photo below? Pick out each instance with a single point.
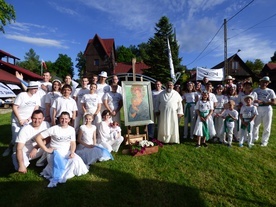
(178, 175)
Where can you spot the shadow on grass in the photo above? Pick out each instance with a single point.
(115, 189)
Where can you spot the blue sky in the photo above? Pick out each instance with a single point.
(65, 26)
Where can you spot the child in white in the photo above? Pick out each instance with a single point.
(189, 98)
(230, 115)
(204, 126)
(115, 130)
(247, 115)
(87, 148)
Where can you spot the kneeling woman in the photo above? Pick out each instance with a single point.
(87, 148)
(63, 163)
(106, 133)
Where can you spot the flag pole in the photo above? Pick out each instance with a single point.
(171, 61)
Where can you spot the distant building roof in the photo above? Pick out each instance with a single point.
(271, 66)
(127, 68)
(107, 44)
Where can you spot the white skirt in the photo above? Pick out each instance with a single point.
(92, 155)
(73, 167)
(198, 131)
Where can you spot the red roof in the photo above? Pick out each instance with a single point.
(6, 77)
(107, 44)
(127, 68)
(271, 66)
(10, 68)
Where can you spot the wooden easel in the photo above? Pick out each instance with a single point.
(131, 137)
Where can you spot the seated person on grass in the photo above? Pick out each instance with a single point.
(26, 147)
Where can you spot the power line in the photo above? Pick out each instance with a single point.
(254, 25)
(240, 11)
(218, 32)
(206, 46)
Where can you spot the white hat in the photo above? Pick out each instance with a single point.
(103, 74)
(32, 84)
(248, 96)
(229, 77)
(266, 79)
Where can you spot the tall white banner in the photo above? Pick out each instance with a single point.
(211, 74)
(171, 61)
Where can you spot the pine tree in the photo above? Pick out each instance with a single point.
(157, 52)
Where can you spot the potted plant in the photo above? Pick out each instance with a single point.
(145, 147)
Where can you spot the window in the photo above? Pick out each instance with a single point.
(97, 62)
(235, 65)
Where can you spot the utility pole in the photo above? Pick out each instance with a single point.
(225, 48)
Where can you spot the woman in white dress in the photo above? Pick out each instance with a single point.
(91, 103)
(87, 148)
(204, 127)
(50, 97)
(63, 163)
(105, 133)
(219, 109)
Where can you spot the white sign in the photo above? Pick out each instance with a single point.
(6, 92)
(211, 74)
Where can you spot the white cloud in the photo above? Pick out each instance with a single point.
(133, 15)
(63, 10)
(29, 27)
(37, 41)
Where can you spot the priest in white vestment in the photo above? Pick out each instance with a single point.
(169, 109)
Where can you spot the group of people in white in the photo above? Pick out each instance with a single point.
(46, 120)
(232, 112)
(46, 123)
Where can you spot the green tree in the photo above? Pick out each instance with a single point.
(31, 62)
(63, 66)
(255, 66)
(157, 52)
(7, 14)
(81, 64)
(124, 54)
(273, 58)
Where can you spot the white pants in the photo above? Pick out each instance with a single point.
(229, 134)
(245, 134)
(264, 117)
(26, 158)
(113, 145)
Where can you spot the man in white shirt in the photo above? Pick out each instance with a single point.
(266, 98)
(26, 147)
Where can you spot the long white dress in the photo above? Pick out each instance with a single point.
(91, 155)
(106, 139)
(60, 141)
(169, 105)
(204, 107)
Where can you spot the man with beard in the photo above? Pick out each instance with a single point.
(169, 109)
